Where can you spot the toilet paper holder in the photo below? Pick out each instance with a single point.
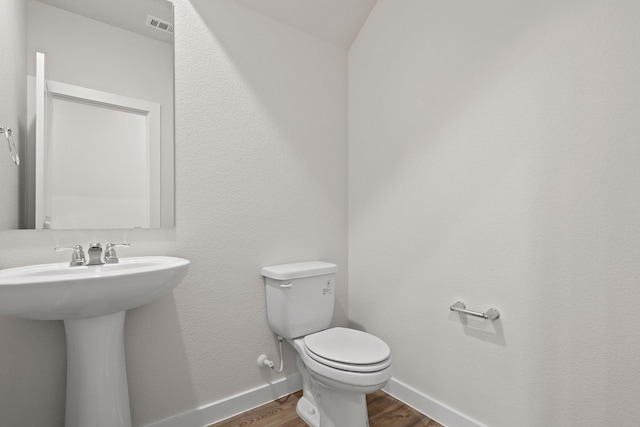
(460, 307)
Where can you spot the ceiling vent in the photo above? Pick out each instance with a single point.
(159, 24)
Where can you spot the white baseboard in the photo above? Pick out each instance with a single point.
(226, 408)
(428, 406)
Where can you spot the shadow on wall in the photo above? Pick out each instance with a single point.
(491, 332)
(156, 360)
(32, 372)
(426, 84)
(417, 123)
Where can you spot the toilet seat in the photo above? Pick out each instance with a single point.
(348, 350)
(341, 379)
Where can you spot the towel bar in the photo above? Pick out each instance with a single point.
(491, 314)
(13, 151)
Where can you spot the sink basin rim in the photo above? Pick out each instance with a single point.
(56, 272)
(85, 292)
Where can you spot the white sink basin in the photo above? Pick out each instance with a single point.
(92, 301)
(58, 292)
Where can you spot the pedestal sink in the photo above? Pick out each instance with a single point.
(92, 301)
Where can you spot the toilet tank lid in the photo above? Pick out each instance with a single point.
(297, 270)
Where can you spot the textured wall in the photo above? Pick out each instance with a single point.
(260, 179)
(261, 158)
(493, 158)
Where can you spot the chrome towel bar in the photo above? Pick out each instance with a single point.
(13, 151)
(491, 314)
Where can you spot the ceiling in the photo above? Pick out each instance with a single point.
(335, 21)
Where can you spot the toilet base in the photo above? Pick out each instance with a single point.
(326, 402)
(341, 408)
(308, 412)
(336, 409)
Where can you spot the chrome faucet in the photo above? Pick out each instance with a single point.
(110, 256)
(77, 257)
(95, 254)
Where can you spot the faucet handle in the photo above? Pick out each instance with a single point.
(110, 256)
(77, 257)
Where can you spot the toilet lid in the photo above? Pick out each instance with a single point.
(348, 349)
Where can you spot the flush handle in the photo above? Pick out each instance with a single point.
(286, 285)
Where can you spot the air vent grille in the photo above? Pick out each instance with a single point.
(159, 24)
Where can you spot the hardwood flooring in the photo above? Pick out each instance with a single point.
(384, 411)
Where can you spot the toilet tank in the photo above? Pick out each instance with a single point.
(300, 297)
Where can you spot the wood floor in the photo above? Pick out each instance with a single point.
(384, 411)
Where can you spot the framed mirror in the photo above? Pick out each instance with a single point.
(98, 152)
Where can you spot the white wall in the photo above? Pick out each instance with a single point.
(260, 179)
(13, 104)
(493, 158)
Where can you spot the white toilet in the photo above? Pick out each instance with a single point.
(338, 365)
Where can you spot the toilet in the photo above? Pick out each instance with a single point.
(338, 365)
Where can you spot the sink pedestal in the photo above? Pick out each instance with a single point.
(92, 300)
(97, 392)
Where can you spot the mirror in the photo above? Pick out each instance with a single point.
(102, 65)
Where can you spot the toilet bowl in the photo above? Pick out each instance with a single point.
(338, 365)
